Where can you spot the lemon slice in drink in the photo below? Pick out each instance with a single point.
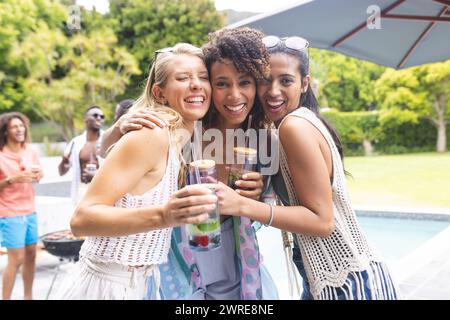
(204, 228)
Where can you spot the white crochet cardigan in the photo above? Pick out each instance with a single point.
(329, 261)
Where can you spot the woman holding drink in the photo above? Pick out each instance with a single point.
(206, 235)
(236, 59)
(331, 252)
(128, 224)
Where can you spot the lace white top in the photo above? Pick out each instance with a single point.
(329, 261)
(145, 248)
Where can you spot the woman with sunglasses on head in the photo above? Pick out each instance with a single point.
(132, 203)
(331, 252)
(236, 59)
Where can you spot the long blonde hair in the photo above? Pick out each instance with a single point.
(159, 73)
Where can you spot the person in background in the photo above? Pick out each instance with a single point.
(122, 108)
(19, 169)
(125, 122)
(82, 153)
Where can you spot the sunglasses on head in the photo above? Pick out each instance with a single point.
(293, 43)
(163, 50)
(98, 115)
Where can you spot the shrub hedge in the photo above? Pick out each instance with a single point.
(354, 127)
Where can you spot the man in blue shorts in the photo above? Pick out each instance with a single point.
(19, 168)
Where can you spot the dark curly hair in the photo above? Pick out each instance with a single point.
(5, 119)
(245, 49)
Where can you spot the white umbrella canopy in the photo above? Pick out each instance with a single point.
(394, 33)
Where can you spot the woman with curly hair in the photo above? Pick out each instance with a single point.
(236, 60)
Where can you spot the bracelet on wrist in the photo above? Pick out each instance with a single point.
(271, 216)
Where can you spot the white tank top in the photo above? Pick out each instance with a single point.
(145, 248)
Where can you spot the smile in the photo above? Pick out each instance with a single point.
(235, 109)
(274, 105)
(195, 100)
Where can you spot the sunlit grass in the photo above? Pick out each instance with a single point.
(414, 180)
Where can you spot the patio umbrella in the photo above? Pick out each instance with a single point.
(394, 33)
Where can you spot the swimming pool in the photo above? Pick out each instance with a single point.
(394, 237)
(397, 237)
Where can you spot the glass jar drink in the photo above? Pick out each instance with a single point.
(244, 161)
(35, 169)
(206, 235)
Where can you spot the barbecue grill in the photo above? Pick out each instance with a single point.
(63, 245)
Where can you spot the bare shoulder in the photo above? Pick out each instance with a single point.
(157, 137)
(138, 143)
(296, 129)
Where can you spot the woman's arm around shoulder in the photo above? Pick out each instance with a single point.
(129, 122)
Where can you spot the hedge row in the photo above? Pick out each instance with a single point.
(354, 127)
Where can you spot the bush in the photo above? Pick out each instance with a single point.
(353, 151)
(354, 128)
(49, 130)
(389, 138)
(51, 151)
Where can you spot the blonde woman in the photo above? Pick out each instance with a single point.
(132, 203)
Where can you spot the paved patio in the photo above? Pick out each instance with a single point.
(426, 271)
(46, 269)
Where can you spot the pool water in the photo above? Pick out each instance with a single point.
(396, 237)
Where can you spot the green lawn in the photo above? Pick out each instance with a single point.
(415, 180)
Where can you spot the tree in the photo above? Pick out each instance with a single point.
(144, 26)
(346, 83)
(65, 75)
(59, 72)
(17, 19)
(417, 92)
